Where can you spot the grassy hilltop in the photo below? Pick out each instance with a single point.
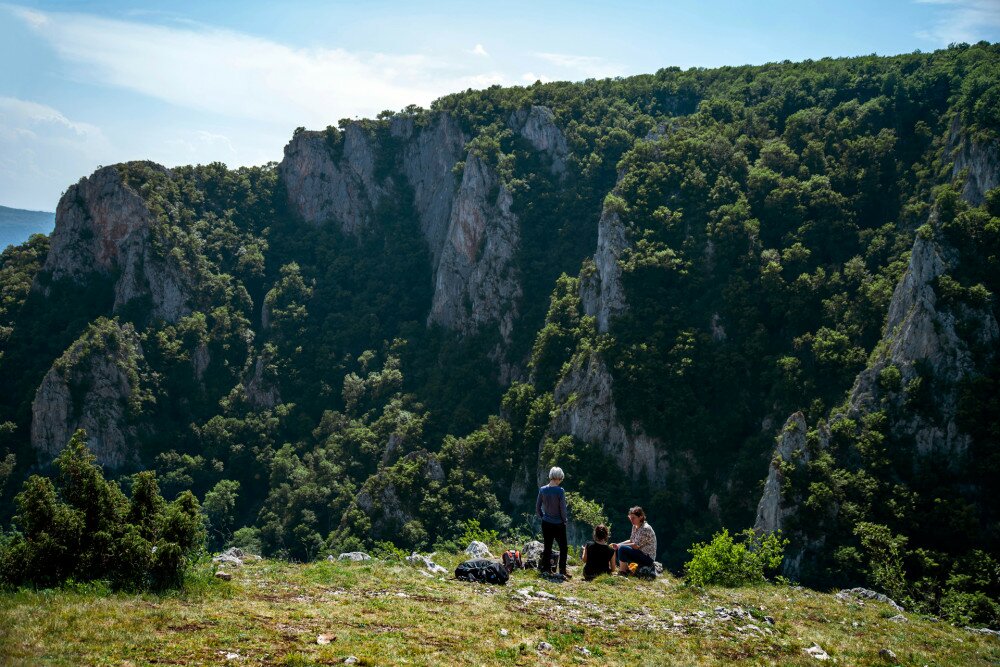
(276, 613)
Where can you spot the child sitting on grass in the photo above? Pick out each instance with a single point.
(597, 555)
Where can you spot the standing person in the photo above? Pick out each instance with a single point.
(551, 509)
(641, 547)
(597, 555)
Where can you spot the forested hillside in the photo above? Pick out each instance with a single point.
(391, 332)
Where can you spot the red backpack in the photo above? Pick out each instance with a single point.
(512, 560)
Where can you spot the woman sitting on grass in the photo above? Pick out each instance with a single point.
(641, 547)
(597, 555)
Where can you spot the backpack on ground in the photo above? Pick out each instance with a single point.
(512, 560)
(483, 571)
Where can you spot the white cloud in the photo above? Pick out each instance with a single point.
(480, 50)
(242, 76)
(962, 21)
(42, 151)
(531, 77)
(194, 146)
(585, 66)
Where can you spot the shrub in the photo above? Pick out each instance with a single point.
(84, 528)
(473, 532)
(728, 562)
(246, 538)
(586, 511)
(884, 553)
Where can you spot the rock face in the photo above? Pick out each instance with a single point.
(322, 189)
(920, 334)
(104, 226)
(470, 231)
(921, 340)
(790, 448)
(537, 125)
(980, 162)
(428, 160)
(262, 390)
(476, 282)
(381, 501)
(585, 400)
(586, 410)
(602, 294)
(93, 386)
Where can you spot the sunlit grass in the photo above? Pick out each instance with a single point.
(390, 613)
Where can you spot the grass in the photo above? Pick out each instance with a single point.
(273, 612)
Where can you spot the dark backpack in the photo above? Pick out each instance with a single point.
(512, 560)
(483, 571)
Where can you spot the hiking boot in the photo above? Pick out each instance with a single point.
(566, 576)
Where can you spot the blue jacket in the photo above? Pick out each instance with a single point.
(551, 504)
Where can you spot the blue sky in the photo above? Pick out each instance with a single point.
(91, 83)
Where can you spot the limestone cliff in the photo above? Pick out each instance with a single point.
(585, 401)
(428, 161)
(586, 410)
(922, 340)
(390, 508)
(979, 161)
(602, 293)
(476, 282)
(104, 226)
(323, 188)
(261, 387)
(98, 384)
(790, 448)
(468, 226)
(537, 125)
(921, 337)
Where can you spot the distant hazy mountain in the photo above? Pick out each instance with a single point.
(16, 225)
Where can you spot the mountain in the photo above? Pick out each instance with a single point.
(391, 334)
(16, 225)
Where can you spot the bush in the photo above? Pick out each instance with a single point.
(246, 538)
(586, 511)
(473, 532)
(84, 528)
(727, 562)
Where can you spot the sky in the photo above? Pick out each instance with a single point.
(85, 84)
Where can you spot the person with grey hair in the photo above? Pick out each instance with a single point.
(551, 509)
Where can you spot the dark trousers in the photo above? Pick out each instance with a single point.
(557, 532)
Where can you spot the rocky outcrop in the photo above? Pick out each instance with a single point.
(789, 449)
(382, 501)
(261, 388)
(323, 186)
(922, 341)
(586, 410)
(470, 230)
(979, 161)
(537, 125)
(476, 282)
(428, 161)
(105, 227)
(602, 293)
(95, 385)
(920, 337)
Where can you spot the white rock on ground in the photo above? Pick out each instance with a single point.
(416, 559)
(478, 549)
(816, 652)
(232, 556)
(353, 555)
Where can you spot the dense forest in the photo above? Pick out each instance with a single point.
(638, 279)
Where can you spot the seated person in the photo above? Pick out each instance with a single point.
(641, 547)
(597, 555)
